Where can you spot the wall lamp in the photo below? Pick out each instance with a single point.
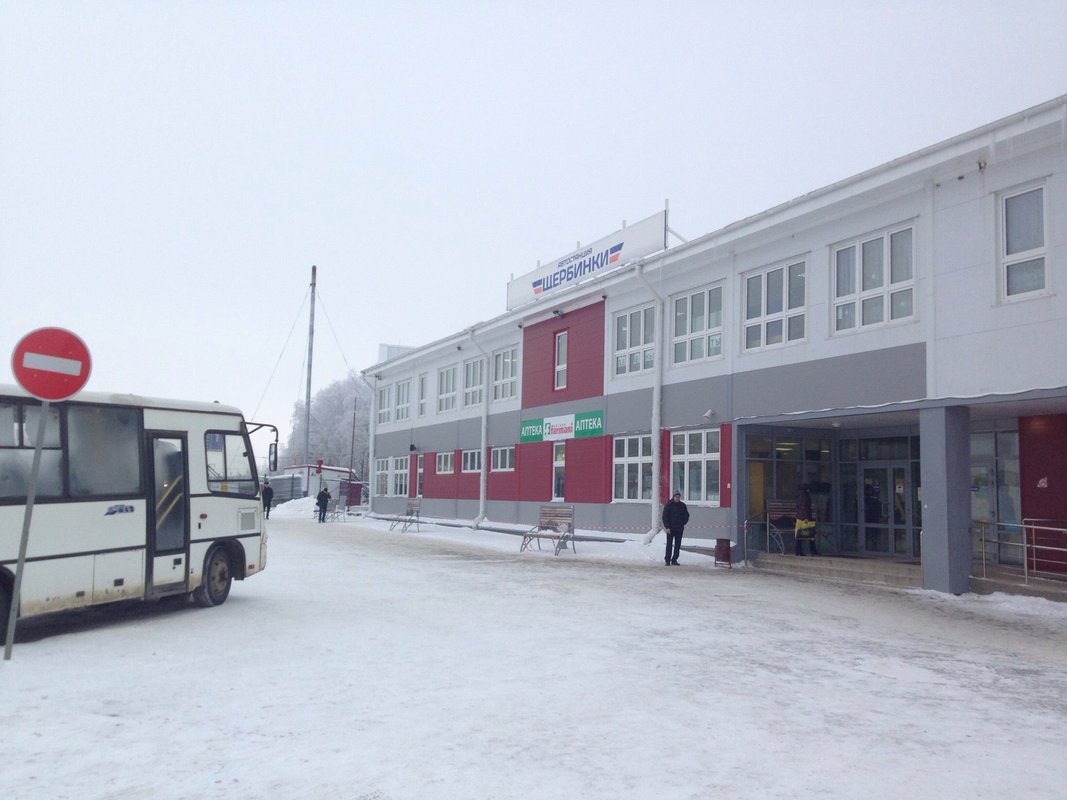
(709, 413)
(557, 313)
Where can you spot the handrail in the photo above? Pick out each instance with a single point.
(1028, 529)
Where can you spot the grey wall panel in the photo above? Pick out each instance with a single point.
(872, 378)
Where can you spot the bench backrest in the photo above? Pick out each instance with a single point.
(551, 517)
(778, 509)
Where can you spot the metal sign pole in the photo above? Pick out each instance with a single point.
(31, 495)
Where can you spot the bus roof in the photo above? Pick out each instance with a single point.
(105, 398)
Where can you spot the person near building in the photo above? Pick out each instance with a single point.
(675, 517)
(268, 498)
(322, 499)
(805, 522)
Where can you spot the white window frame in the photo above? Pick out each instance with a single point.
(418, 475)
(403, 400)
(774, 307)
(471, 460)
(632, 468)
(381, 477)
(693, 452)
(446, 463)
(560, 372)
(473, 382)
(502, 459)
(697, 338)
(1007, 260)
(385, 404)
(505, 373)
(424, 379)
(854, 301)
(559, 464)
(400, 477)
(634, 337)
(446, 389)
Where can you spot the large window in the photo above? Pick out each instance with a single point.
(18, 438)
(446, 463)
(471, 460)
(633, 468)
(403, 400)
(385, 404)
(400, 476)
(559, 452)
(505, 373)
(229, 464)
(503, 459)
(698, 325)
(446, 389)
(874, 280)
(774, 306)
(1023, 251)
(104, 451)
(473, 382)
(561, 360)
(635, 340)
(695, 465)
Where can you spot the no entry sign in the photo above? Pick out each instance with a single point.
(51, 363)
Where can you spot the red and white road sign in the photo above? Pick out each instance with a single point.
(51, 363)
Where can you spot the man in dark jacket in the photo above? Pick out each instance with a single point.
(322, 500)
(268, 499)
(675, 516)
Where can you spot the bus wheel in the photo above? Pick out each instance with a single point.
(5, 612)
(218, 576)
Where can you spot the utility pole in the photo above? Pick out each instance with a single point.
(311, 350)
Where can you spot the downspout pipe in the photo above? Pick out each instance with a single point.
(655, 523)
(483, 472)
(372, 425)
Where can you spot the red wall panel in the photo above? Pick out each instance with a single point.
(501, 485)
(585, 357)
(435, 485)
(1042, 467)
(533, 462)
(726, 465)
(587, 477)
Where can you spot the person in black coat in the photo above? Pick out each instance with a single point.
(675, 517)
(268, 499)
(322, 499)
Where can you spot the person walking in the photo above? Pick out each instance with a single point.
(675, 517)
(805, 525)
(322, 499)
(268, 498)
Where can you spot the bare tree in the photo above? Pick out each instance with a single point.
(340, 429)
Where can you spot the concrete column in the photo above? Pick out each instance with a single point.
(945, 441)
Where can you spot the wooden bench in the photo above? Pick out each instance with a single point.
(554, 522)
(409, 517)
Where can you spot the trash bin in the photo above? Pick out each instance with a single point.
(722, 553)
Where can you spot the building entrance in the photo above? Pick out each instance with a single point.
(885, 523)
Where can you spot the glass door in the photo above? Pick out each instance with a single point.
(886, 527)
(168, 520)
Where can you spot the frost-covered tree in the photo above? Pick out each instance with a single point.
(339, 427)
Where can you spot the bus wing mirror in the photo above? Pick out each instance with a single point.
(272, 457)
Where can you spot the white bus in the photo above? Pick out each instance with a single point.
(137, 498)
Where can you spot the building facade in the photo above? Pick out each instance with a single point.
(895, 341)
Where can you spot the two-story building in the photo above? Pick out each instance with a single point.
(896, 341)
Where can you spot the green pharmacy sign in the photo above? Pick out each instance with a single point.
(565, 426)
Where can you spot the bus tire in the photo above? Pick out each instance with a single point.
(5, 611)
(218, 575)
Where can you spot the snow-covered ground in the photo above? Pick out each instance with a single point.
(365, 663)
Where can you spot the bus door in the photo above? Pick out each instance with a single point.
(168, 514)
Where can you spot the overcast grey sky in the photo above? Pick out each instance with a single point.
(169, 172)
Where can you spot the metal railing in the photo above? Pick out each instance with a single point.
(1031, 544)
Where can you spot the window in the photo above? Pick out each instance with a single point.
(472, 460)
(558, 462)
(403, 400)
(1023, 251)
(422, 394)
(229, 464)
(874, 281)
(505, 373)
(774, 306)
(473, 382)
(698, 325)
(385, 404)
(446, 463)
(381, 476)
(561, 360)
(104, 451)
(633, 468)
(503, 459)
(400, 476)
(695, 465)
(418, 476)
(18, 439)
(446, 389)
(635, 337)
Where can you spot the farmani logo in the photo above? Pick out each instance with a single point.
(578, 266)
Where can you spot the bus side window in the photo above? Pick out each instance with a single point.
(104, 450)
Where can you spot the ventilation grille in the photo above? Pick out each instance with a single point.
(248, 520)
